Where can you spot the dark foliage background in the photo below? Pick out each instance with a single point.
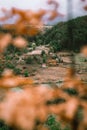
(59, 35)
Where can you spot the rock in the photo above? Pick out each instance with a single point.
(44, 66)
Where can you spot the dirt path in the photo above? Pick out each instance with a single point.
(53, 74)
(49, 74)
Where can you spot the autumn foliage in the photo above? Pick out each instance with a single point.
(28, 108)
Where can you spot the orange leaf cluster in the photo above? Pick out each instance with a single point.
(85, 7)
(84, 50)
(8, 79)
(6, 39)
(23, 109)
(27, 23)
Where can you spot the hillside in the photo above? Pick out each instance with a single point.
(66, 35)
(70, 35)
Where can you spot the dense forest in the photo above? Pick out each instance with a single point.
(66, 35)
